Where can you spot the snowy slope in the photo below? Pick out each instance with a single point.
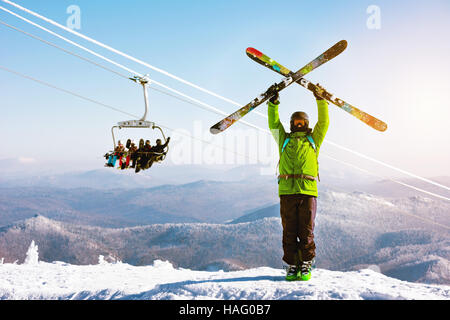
(409, 254)
(161, 280)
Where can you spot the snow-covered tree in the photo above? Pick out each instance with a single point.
(32, 256)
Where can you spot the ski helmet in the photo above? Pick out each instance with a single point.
(299, 115)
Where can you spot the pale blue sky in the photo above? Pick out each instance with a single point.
(398, 73)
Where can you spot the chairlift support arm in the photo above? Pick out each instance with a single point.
(141, 123)
(144, 81)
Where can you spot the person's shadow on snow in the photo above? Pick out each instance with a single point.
(164, 291)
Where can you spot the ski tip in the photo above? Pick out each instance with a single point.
(376, 124)
(335, 50)
(253, 52)
(382, 127)
(343, 44)
(214, 130)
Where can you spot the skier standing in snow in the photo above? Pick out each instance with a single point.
(297, 181)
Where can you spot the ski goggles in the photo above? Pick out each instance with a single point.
(299, 122)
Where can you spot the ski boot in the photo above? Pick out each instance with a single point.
(138, 168)
(292, 272)
(305, 270)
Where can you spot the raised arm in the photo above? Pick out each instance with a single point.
(166, 143)
(321, 127)
(275, 125)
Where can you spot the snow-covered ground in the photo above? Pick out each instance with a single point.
(58, 280)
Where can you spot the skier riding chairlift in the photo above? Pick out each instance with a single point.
(134, 154)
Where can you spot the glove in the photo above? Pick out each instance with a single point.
(320, 90)
(275, 99)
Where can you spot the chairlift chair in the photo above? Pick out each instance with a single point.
(142, 123)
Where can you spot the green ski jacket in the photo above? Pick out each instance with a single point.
(298, 156)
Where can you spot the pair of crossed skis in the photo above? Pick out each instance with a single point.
(291, 77)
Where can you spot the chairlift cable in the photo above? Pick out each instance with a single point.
(98, 43)
(63, 90)
(197, 102)
(106, 68)
(63, 49)
(387, 178)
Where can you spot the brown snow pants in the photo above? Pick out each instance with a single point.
(298, 212)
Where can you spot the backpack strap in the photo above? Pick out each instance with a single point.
(311, 141)
(313, 144)
(286, 141)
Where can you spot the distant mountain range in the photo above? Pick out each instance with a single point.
(199, 201)
(13, 173)
(202, 201)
